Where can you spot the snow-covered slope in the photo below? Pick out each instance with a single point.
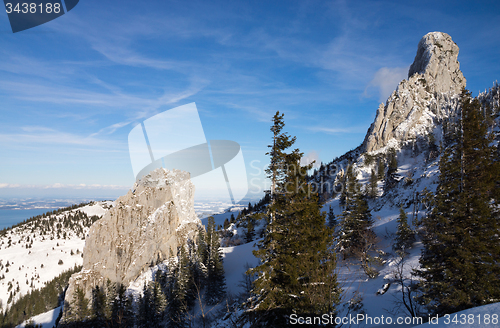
(36, 252)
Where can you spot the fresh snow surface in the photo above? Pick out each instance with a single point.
(236, 259)
(378, 294)
(25, 263)
(47, 319)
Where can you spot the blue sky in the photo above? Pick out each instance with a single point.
(72, 89)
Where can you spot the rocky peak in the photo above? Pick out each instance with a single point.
(429, 95)
(436, 61)
(145, 225)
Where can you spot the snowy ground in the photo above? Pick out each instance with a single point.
(47, 319)
(25, 264)
(379, 295)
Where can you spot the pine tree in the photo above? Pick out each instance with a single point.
(297, 270)
(80, 305)
(391, 176)
(332, 218)
(461, 250)
(146, 314)
(159, 302)
(405, 237)
(356, 236)
(98, 305)
(380, 169)
(216, 281)
(250, 234)
(372, 186)
(177, 309)
(281, 141)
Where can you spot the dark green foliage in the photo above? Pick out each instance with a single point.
(38, 301)
(332, 218)
(297, 270)
(216, 281)
(380, 169)
(122, 313)
(178, 298)
(80, 305)
(37, 222)
(405, 236)
(250, 233)
(372, 186)
(276, 170)
(461, 250)
(356, 236)
(152, 305)
(99, 304)
(391, 175)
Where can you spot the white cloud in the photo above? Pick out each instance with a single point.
(386, 80)
(39, 135)
(336, 130)
(309, 158)
(62, 186)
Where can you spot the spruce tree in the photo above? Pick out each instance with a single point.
(405, 237)
(177, 309)
(145, 318)
(356, 236)
(216, 281)
(296, 274)
(250, 234)
(276, 170)
(372, 186)
(380, 169)
(80, 305)
(461, 250)
(159, 303)
(98, 305)
(391, 176)
(332, 218)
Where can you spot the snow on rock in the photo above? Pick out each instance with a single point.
(146, 225)
(429, 95)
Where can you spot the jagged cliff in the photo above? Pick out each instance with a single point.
(429, 95)
(147, 224)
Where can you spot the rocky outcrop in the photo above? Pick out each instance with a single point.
(429, 95)
(144, 226)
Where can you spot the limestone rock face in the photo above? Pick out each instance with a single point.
(429, 95)
(145, 225)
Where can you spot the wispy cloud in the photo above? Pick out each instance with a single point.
(63, 186)
(35, 136)
(333, 130)
(385, 81)
(312, 156)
